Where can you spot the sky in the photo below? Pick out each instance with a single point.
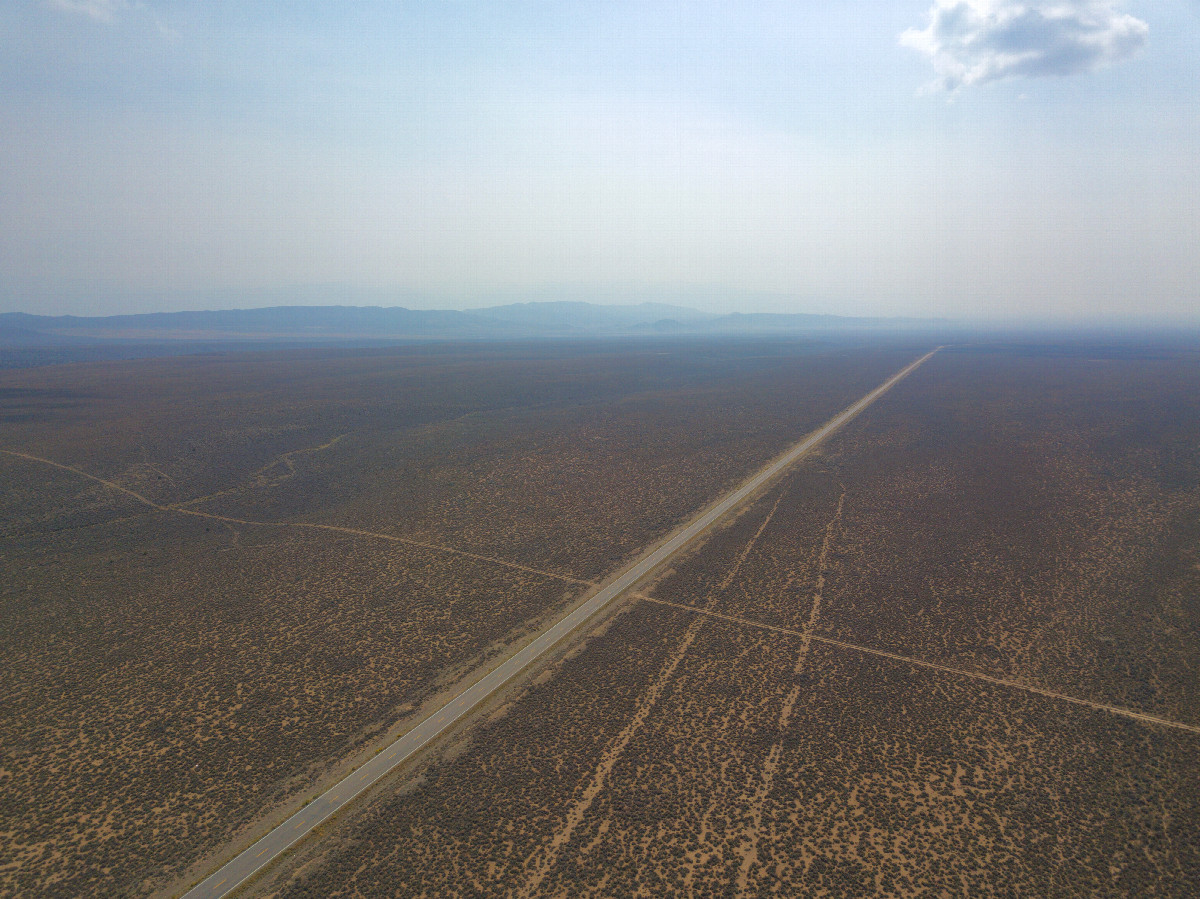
(977, 159)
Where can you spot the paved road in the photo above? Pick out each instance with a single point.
(340, 794)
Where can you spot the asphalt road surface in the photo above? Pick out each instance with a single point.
(263, 852)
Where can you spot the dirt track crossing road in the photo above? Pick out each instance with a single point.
(259, 855)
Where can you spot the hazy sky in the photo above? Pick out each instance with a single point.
(948, 157)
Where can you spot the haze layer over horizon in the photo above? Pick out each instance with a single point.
(957, 158)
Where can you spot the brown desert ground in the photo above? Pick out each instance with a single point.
(225, 575)
(921, 664)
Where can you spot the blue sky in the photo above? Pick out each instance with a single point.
(979, 158)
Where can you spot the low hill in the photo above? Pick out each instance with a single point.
(309, 324)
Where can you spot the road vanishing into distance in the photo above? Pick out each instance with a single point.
(337, 797)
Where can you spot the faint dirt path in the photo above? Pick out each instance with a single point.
(771, 765)
(934, 666)
(260, 477)
(543, 861)
(737, 566)
(91, 477)
(357, 532)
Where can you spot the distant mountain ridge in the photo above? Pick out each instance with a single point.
(555, 319)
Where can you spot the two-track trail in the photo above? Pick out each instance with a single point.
(933, 666)
(306, 525)
(771, 765)
(543, 861)
(285, 460)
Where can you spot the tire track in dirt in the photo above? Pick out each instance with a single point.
(544, 860)
(771, 765)
(934, 666)
(260, 476)
(357, 532)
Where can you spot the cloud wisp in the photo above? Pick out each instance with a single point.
(976, 41)
(97, 10)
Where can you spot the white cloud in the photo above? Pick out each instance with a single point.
(975, 41)
(99, 10)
